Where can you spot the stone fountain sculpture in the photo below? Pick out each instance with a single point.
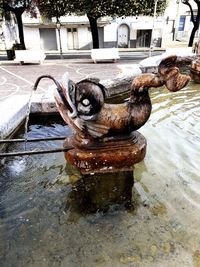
(105, 138)
(105, 144)
(195, 68)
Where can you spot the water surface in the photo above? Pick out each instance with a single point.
(37, 228)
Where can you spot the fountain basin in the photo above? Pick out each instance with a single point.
(38, 228)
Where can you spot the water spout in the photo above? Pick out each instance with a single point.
(58, 87)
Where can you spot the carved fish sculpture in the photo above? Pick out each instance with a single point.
(82, 105)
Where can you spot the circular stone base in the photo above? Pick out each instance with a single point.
(115, 155)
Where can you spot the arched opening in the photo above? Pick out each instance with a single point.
(123, 35)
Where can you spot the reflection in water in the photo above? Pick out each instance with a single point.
(97, 192)
(41, 226)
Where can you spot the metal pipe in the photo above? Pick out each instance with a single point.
(59, 89)
(176, 24)
(52, 138)
(24, 153)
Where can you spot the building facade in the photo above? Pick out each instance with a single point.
(178, 25)
(74, 33)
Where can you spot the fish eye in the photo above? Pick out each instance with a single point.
(85, 102)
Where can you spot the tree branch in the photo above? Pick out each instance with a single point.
(186, 2)
(198, 12)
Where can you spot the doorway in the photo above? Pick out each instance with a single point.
(72, 38)
(143, 38)
(123, 36)
(48, 39)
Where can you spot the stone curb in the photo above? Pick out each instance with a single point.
(13, 111)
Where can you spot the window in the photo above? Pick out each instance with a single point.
(181, 23)
(71, 29)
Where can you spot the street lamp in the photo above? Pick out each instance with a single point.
(58, 26)
(178, 2)
(153, 26)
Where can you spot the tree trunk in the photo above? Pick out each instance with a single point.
(94, 31)
(20, 28)
(195, 28)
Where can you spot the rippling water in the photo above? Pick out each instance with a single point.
(38, 229)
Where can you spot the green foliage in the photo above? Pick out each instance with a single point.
(96, 9)
(99, 8)
(18, 6)
(51, 8)
(15, 3)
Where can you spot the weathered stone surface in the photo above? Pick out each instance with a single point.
(184, 56)
(43, 104)
(112, 156)
(16, 108)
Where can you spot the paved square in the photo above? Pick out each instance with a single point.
(19, 79)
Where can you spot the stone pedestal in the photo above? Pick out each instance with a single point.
(115, 154)
(106, 168)
(99, 191)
